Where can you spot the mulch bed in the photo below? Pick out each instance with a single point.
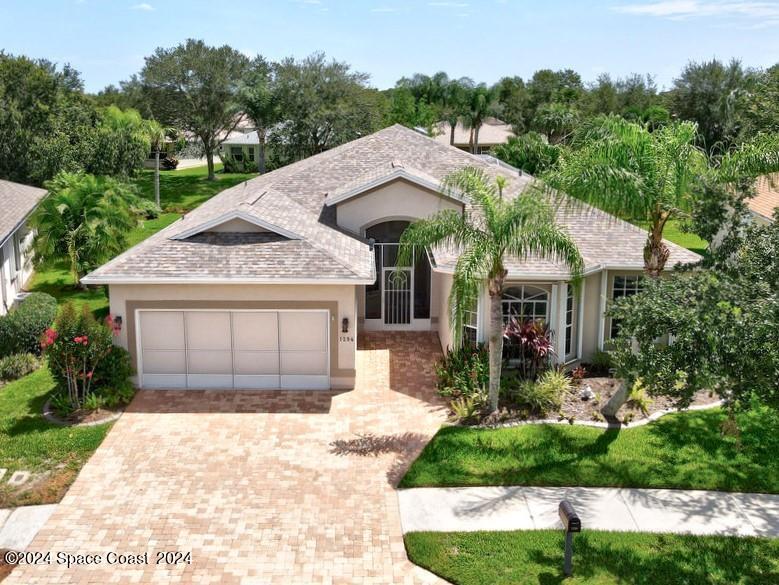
(81, 417)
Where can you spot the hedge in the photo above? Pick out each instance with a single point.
(22, 327)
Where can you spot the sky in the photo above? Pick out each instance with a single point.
(106, 40)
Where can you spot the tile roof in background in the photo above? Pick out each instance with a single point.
(493, 131)
(766, 197)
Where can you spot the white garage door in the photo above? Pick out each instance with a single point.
(234, 349)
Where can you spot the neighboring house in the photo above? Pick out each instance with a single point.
(242, 148)
(491, 133)
(766, 199)
(17, 202)
(269, 283)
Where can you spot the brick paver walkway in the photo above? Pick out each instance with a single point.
(269, 487)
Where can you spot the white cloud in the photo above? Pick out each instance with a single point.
(143, 6)
(684, 9)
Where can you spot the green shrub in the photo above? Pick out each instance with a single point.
(114, 370)
(22, 327)
(463, 372)
(465, 408)
(114, 396)
(13, 367)
(638, 399)
(144, 208)
(601, 363)
(543, 396)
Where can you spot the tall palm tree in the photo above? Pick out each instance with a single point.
(490, 230)
(480, 105)
(624, 169)
(157, 134)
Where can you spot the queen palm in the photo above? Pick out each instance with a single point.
(624, 169)
(492, 229)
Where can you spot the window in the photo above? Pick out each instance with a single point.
(471, 324)
(236, 152)
(525, 302)
(251, 154)
(624, 286)
(569, 322)
(17, 254)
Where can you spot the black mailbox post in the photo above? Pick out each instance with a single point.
(571, 524)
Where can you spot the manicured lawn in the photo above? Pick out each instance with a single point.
(674, 233)
(600, 558)
(684, 450)
(180, 191)
(28, 442)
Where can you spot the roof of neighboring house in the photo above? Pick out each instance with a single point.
(17, 201)
(766, 198)
(238, 138)
(493, 131)
(294, 202)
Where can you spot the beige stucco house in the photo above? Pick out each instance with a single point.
(17, 202)
(270, 283)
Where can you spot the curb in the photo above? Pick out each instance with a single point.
(48, 414)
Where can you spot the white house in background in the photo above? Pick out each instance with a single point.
(270, 283)
(242, 147)
(766, 199)
(17, 202)
(492, 133)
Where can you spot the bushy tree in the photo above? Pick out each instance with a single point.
(84, 220)
(259, 100)
(530, 152)
(121, 143)
(556, 120)
(195, 87)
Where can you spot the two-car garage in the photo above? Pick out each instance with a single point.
(252, 349)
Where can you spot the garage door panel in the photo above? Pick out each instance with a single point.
(256, 363)
(262, 382)
(208, 330)
(255, 331)
(162, 330)
(164, 362)
(164, 381)
(303, 362)
(305, 382)
(304, 331)
(210, 362)
(200, 381)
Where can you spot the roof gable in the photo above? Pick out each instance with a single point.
(235, 217)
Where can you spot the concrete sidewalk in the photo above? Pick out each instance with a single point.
(18, 526)
(638, 510)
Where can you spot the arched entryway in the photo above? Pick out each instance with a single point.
(400, 297)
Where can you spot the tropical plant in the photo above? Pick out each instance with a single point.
(17, 365)
(465, 408)
(260, 102)
(627, 170)
(557, 121)
(75, 347)
(453, 103)
(157, 134)
(489, 231)
(542, 396)
(463, 371)
(530, 152)
(84, 220)
(481, 103)
(121, 143)
(534, 343)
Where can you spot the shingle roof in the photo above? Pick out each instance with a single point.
(766, 197)
(16, 203)
(294, 197)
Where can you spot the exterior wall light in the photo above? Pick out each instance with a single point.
(118, 322)
(345, 325)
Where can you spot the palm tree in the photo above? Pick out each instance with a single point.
(486, 234)
(157, 134)
(481, 104)
(84, 220)
(624, 169)
(453, 104)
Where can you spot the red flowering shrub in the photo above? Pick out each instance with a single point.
(75, 347)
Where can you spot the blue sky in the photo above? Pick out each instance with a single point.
(485, 39)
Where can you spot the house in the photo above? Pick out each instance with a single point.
(17, 202)
(270, 283)
(241, 149)
(491, 133)
(766, 199)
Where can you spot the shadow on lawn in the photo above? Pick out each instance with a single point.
(690, 561)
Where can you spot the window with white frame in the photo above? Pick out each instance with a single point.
(570, 321)
(251, 154)
(471, 324)
(525, 302)
(236, 152)
(624, 286)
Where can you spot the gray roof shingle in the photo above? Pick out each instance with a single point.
(294, 198)
(16, 203)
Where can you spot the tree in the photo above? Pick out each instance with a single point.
(195, 87)
(530, 152)
(323, 104)
(84, 220)
(453, 103)
(761, 105)
(556, 120)
(512, 95)
(157, 134)
(480, 105)
(260, 102)
(486, 234)
(121, 143)
(709, 94)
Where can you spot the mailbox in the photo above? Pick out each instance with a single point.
(569, 518)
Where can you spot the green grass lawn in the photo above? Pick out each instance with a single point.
(673, 232)
(28, 442)
(180, 191)
(683, 450)
(600, 558)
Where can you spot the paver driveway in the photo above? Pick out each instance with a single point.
(268, 487)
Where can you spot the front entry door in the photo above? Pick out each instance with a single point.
(398, 284)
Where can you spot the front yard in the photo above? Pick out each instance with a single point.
(52, 454)
(683, 450)
(600, 558)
